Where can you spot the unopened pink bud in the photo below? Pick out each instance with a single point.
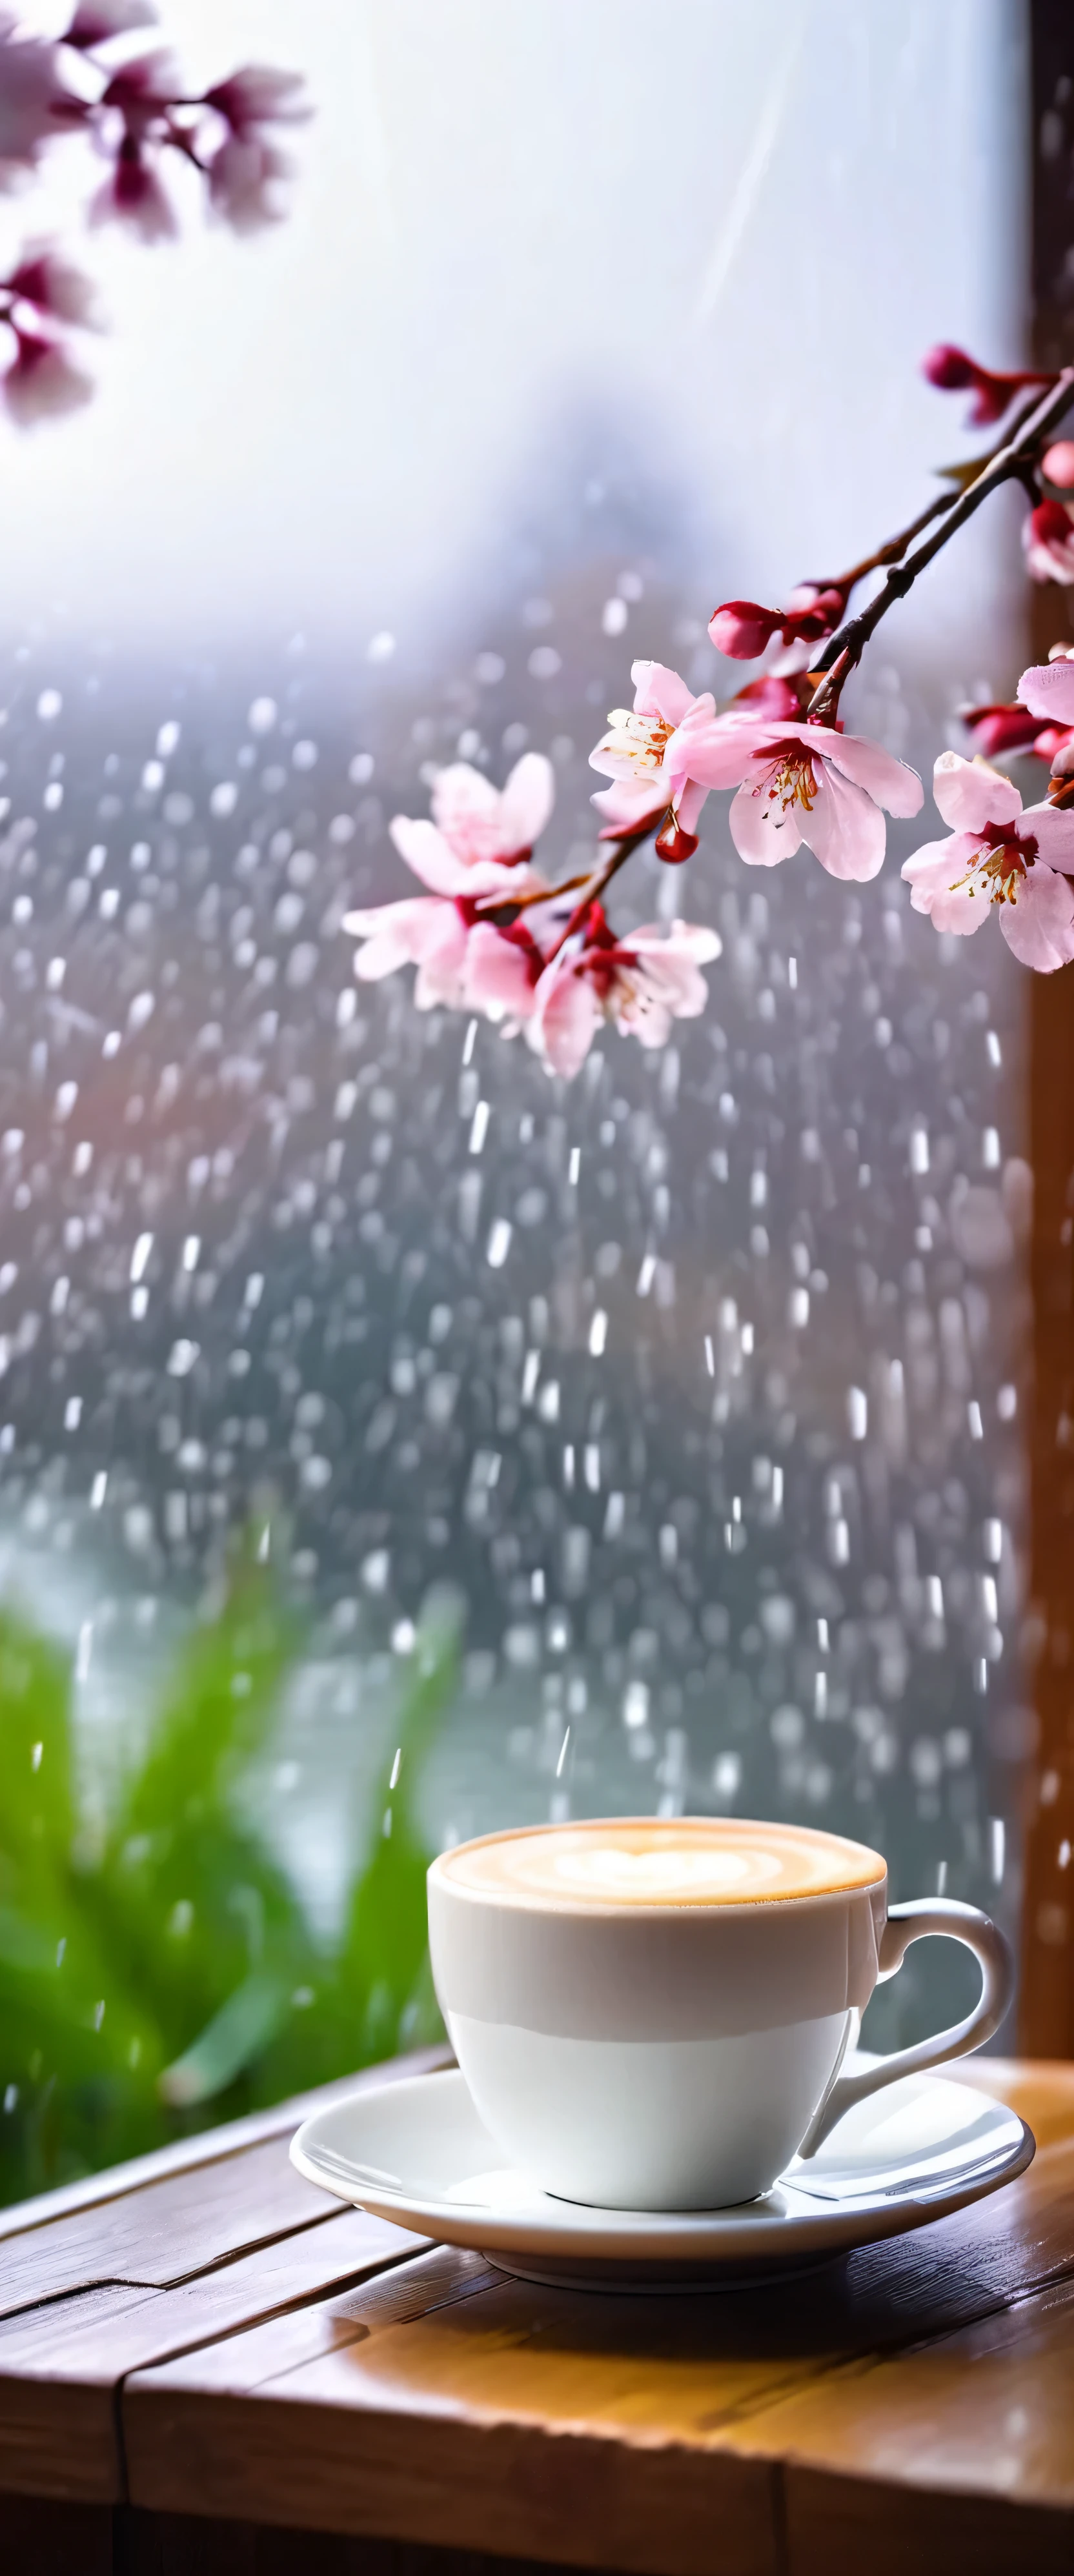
(741, 629)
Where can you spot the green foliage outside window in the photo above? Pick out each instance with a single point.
(168, 1976)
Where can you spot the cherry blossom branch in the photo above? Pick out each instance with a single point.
(597, 885)
(844, 649)
(543, 957)
(895, 548)
(489, 904)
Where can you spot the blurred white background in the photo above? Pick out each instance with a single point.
(730, 231)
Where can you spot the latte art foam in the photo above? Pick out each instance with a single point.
(657, 1861)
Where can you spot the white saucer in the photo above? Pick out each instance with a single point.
(418, 2153)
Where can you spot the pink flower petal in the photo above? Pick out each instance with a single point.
(496, 976)
(395, 934)
(483, 829)
(1052, 827)
(688, 805)
(888, 781)
(526, 803)
(971, 794)
(677, 985)
(44, 278)
(257, 94)
(716, 751)
(1039, 925)
(95, 21)
(684, 939)
(845, 830)
(566, 1015)
(42, 383)
(647, 1017)
(442, 960)
(35, 102)
(763, 831)
(134, 195)
(660, 692)
(248, 178)
(1047, 689)
(427, 852)
(628, 802)
(935, 876)
(466, 808)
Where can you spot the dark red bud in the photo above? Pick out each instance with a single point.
(949, 369)
(674, 845)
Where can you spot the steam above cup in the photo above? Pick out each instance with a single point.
(652, 2013)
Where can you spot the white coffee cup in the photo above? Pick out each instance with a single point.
(652, 2014)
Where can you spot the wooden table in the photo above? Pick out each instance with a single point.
(205, 2364)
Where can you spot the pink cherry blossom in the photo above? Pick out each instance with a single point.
(1048, 543)
(642, 982)
(248, 171)
(801, 782)
(95, 21)
(480, 822)
(996, 855)
(42, 383)
(993, 389)
(35, 103)
(643, 755)
(248, 179)
(258, 95)
(53, 285)
(474, 860)
(133, 196)
(463, 963)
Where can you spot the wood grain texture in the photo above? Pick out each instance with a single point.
(165, 2231)
(276, 2363)
(988, 2411)
(448, 2402)
(61, 2364)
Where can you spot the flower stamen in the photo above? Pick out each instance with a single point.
(998, 870)
(642, 740)
(791, 780)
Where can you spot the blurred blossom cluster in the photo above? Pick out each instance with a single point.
(494, 936)
(100, 80)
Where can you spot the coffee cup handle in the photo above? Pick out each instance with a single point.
(913, 1922)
